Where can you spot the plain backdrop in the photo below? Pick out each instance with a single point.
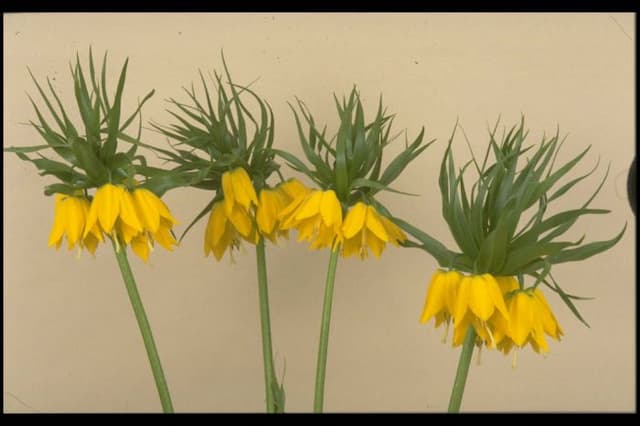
(71, 343)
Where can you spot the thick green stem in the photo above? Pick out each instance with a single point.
(463, 369)
(324, 332)
(145, 329)
(265, 325)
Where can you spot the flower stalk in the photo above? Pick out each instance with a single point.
(324, 332)
(461, 373)
(265, 327)
(145, 329)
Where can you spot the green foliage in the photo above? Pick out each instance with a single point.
(216, 134)
(89, 159)
(351, 162)
(487, 222)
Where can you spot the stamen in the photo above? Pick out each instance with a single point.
(446, 330)
(478, 358)
(486, 327)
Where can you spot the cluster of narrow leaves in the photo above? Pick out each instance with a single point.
(88, 156)
(351, 162)
(487, 222)
(212, 141)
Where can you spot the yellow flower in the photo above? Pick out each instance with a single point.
(531, 319)
(479, 301)
(137, 218)
(293, 189)
(220, 233)
(272, 202)
(70, 217)
(441, 298)
(364, 227)
(238, 190)
(317, 216)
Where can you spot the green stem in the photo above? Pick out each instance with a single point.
(324, 332)
(145, 329)
(462, 372)
(265, 325)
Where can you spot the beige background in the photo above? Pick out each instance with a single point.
(70, 338)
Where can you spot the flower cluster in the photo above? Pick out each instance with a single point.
(496, 245)
(242, 215)
(130, 215)
(344, 214)
(501, 313)
(137, 218)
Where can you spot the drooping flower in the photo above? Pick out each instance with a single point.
(272, 202)
(318, 218)
(220, 233)
(70, 218)
(531, 319)
(478, 303)
(441, 298)
(364, 228)
(238, 190)
(137, 218)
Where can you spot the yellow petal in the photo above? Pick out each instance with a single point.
(225, 240)
(310, 206)
(107, 203)
(480, 300)
(354, 222)
(396, 235)
(267, 212)
(435, 300)
(330, 209)
(521, 317)
(128, 210)
(57, 230)
(74, 221)
(452, 282)
(462, 299)
(375, 244)
(460, 329)
(140, 246)
(549, 321)
(350, 247)
(240, 220)
(375, 225)
(293, 188)
(126, 232)
(146, 208)
(507, 284)
(227, 190)
(243, 190)
(164, 237)
(218, 220)
(493, 289)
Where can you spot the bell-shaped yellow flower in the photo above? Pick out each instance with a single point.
(70, 218)
(480, 304)
(293, 189)
(364, 228)
(220, 233)
(137, 218)
(317, 216)
(238, 190)
(531, 319)
(441, 296)
(272, 202)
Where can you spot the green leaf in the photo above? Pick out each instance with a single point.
(443, 256)
(200, 215)
(376, 186)
(113, 118)
(586, 251)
